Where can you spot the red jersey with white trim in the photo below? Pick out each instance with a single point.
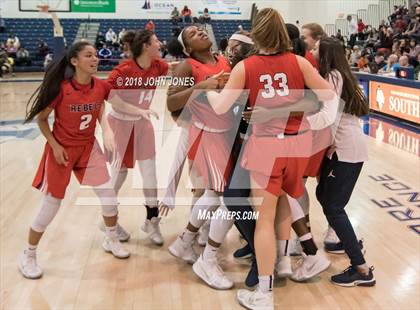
(140, 83)
(201, 110)
(76, 110)
(274, 80)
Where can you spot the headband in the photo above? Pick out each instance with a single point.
(181, 40)
(241, 38)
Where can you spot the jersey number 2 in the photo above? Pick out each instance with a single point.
(270, 92)
(85, 120)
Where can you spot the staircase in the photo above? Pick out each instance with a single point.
(88, 32)
(210, 33)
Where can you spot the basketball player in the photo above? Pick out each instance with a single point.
(256, 73)
(132, 127)
(209, 165)
(77, 102)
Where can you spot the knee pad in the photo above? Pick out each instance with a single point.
(48, 210)
(108, 201)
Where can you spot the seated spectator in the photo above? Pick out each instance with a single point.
(339, 36)
(391, 65)
(111, 37)
(377, 64)
(175, 17)
(22, 57)
(100, 40)
(417, 69)
(11, 51)
(48, 59)
(412, 29)
(120, 35)
(186, 15)
(205, 18)
(10, 41)
(414, 49)
(385, 40)
(6, 64)
(355, 55)
(403, 62)
(105, 52)
(150, 26)
(404, 47)
(42, 49)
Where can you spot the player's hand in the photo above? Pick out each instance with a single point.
(163, 209)
(147, 114)
(109, 141)
(213, 82)
(257, 115)
(60, 155)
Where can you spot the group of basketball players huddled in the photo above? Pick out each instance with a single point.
(257, 159)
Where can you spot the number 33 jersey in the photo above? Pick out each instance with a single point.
(76, 110)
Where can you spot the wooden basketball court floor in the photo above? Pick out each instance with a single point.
(78, 274)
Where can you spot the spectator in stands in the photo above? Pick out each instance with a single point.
(377, 64)
(385, 40)
(175, 17)
(6, 64)
(400, 25)
(164, 49)
(111, 37)
(417, 69)
(100, 40)
(205, 18)
(120, 35)
(413, 29)
(48, 59)
(42, 48)
(339, 36)
(105, 52)
(403, 62)
(22, 57)
(391, 65)
(150, 26)
(352, 30)
(414, 49)
(11, 51)
(186, 15)
(355, 55)
(361, 29)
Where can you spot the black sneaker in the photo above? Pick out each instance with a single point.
(243, 253)
(350, 277)
(338, 248)
(252, 277)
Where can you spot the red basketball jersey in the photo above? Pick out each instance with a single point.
(139, 82)
(274, 80)
(309, 57)
(76, 110)
(200, 108)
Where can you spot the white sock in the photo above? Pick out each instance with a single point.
(266, 283)
(283, 248)
(31, 247)
(188, 236)
(209, 251)
(305, 237)
(111, 231)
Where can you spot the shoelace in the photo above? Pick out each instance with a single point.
(31, 258)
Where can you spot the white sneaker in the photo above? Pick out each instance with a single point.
(114, 246)
(283, 267)
(255, 300)
(203, 233)
(331, 236)
(211, 273)
(184, 250)
(295, 248)
(310, 266)
(28, 266)
(123, 235)
(152, 228)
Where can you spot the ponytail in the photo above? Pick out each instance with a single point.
(58, 71)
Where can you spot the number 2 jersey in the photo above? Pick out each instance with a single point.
(76, 110)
